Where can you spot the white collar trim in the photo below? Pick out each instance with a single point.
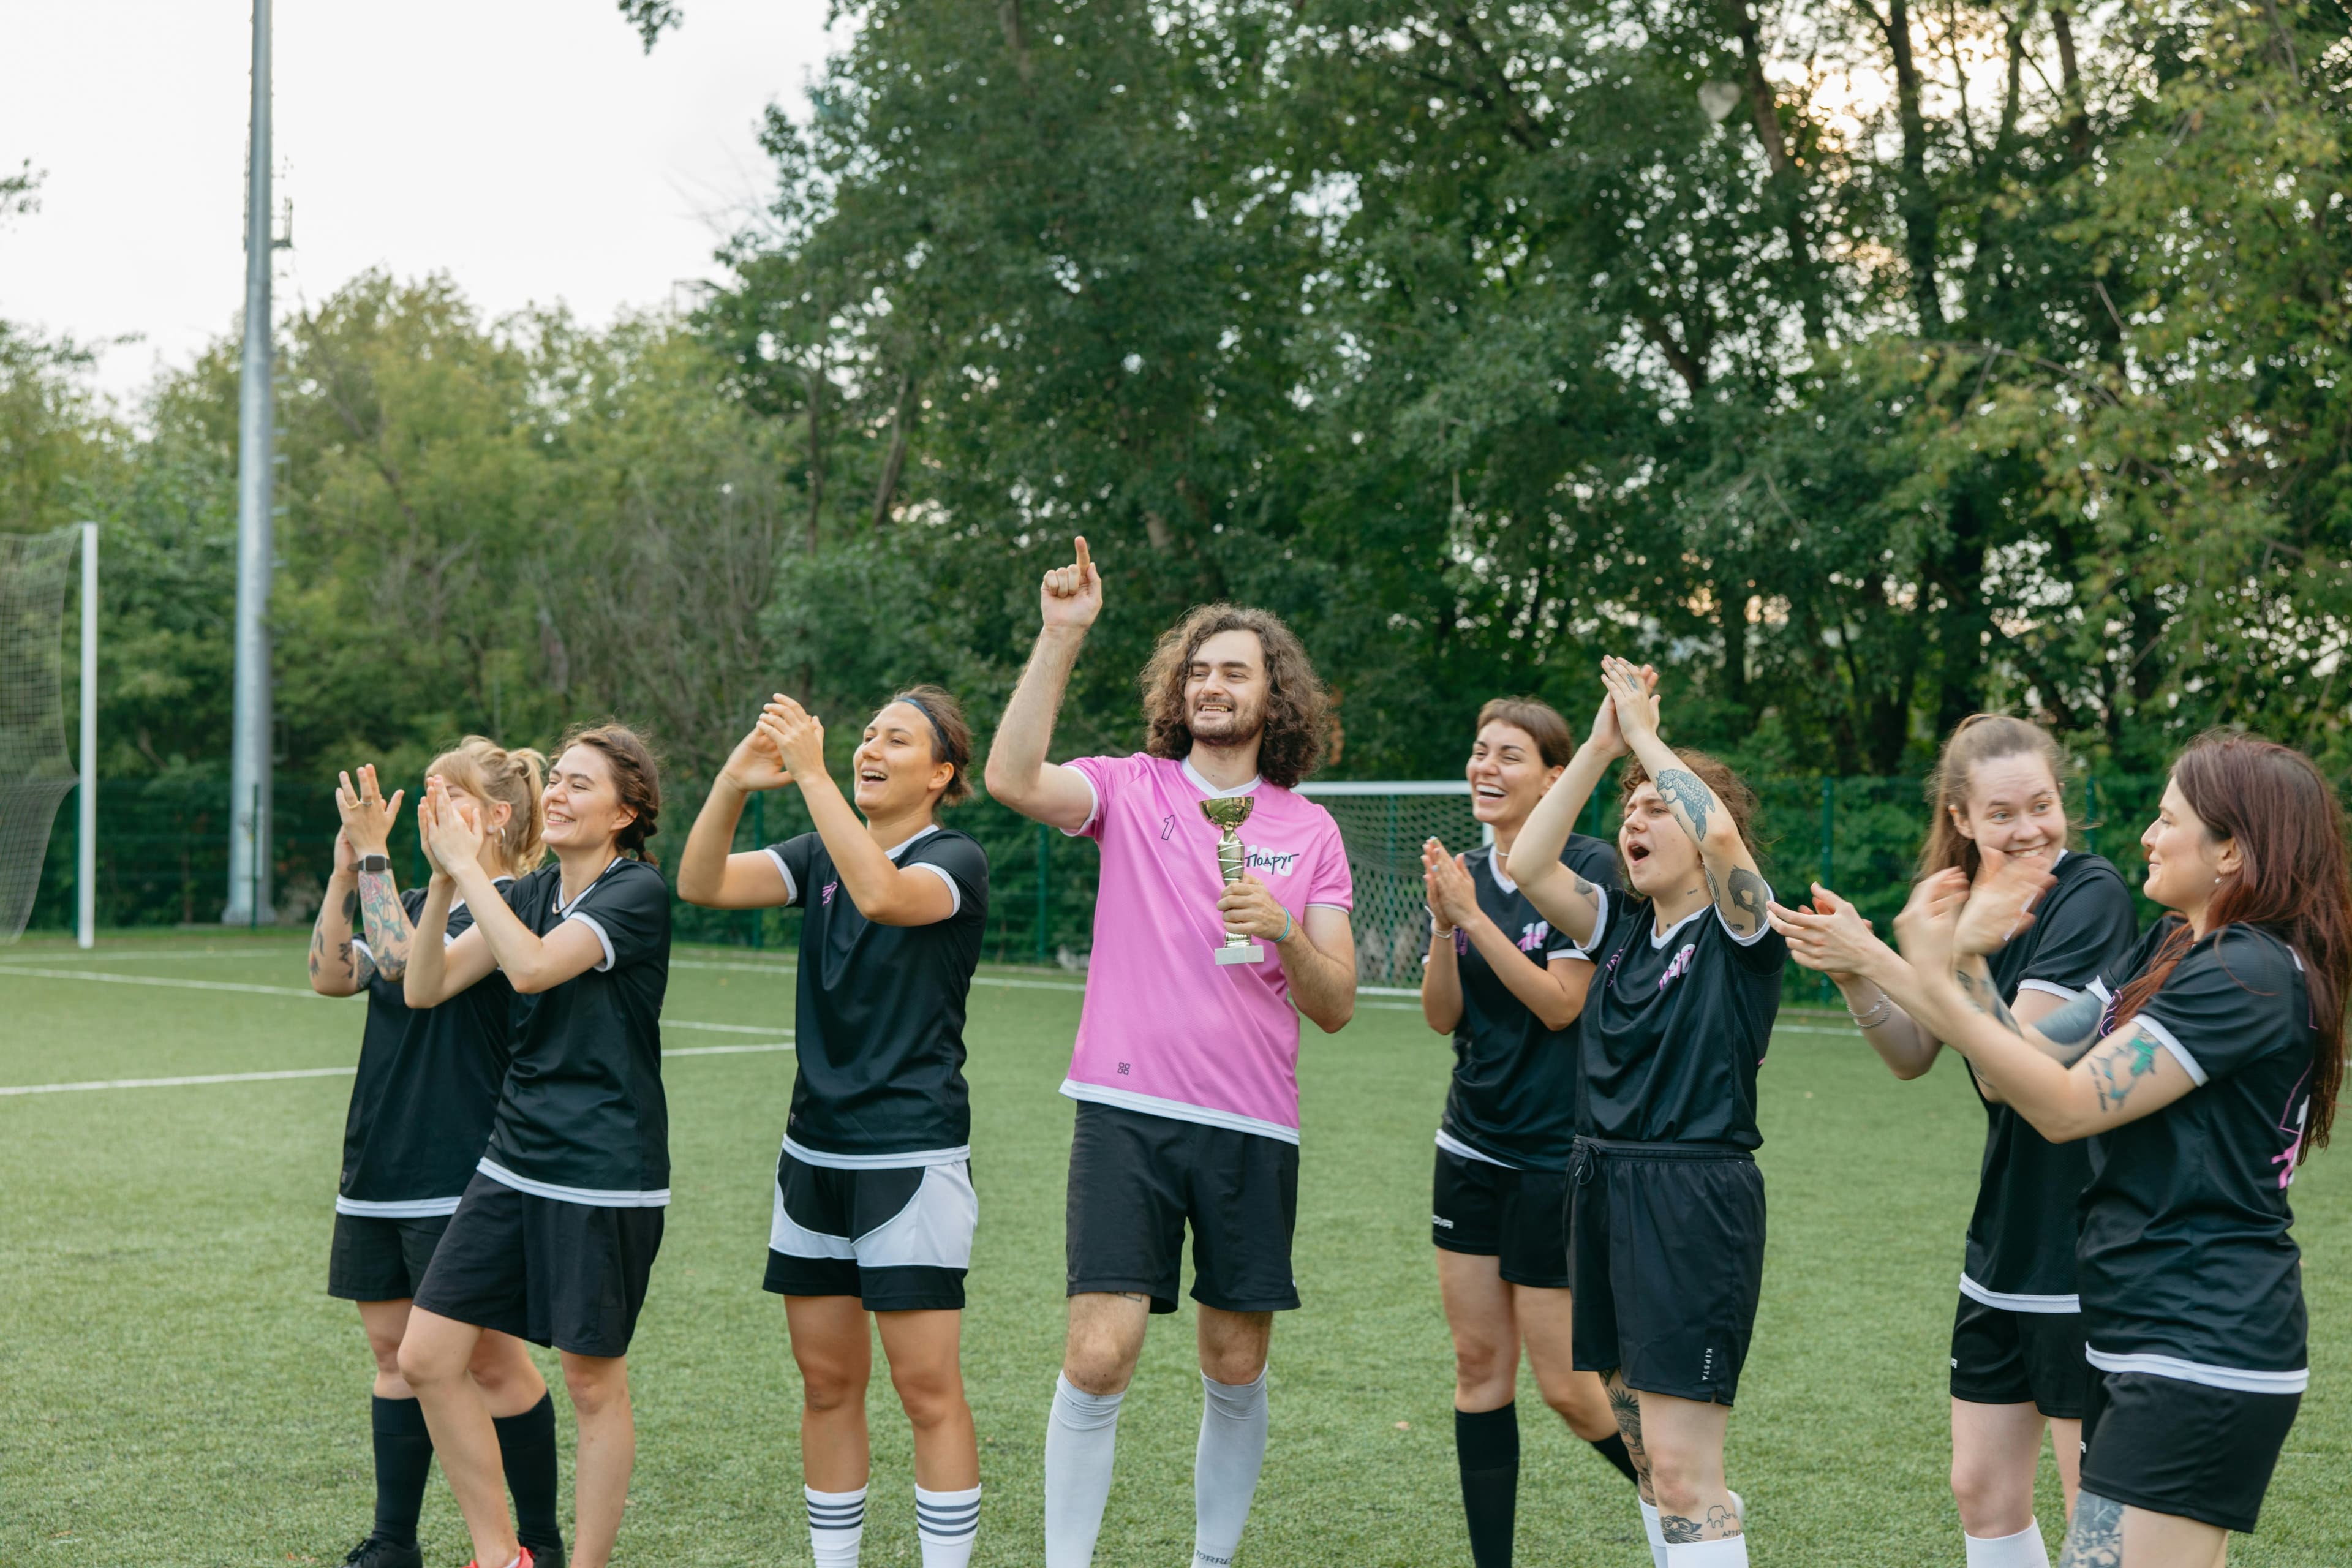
(1211, 790)
(1495, 870)
(560, 905)
(904, 844)
(1658, 939)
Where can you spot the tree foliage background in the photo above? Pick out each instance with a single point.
(1863, 363)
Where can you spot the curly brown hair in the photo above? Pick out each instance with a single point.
(1297, 708)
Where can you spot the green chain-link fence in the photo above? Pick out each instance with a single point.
(162, 855)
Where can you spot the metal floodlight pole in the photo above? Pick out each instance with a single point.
(248, 792)
(86, 814)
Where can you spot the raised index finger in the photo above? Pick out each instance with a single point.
(1086, 562)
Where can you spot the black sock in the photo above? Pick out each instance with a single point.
(526, 1447)
(1487, 1446)
(1612, 1449)
(403, 1459)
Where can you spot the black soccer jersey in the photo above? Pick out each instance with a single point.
(2187, 1267)
(1513, 1092)
(1675, 1027)
(879, 1030)
(2021, 1250)
(428, 1079)
(582, 1117)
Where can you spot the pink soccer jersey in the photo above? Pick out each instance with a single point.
(1166, 1029)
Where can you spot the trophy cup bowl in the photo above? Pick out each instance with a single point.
(1227, 814)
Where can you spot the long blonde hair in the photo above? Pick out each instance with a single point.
(488, 771)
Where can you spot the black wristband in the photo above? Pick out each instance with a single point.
(377, 864)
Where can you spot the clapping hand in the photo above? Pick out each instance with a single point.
(1831, 937)
(1452, 897)
(1633, 698)
(755, 764)
(2001, 902)
(367, 816)
(1072, 595)
(1608, 732)
(1929, 921)
(451, 830)
(797, 735)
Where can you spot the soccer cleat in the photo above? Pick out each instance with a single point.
(523, 1559)
(376, 1551)
(548, 1555)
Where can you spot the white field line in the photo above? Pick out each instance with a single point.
(188, 1079)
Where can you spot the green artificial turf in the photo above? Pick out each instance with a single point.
(176, 1386)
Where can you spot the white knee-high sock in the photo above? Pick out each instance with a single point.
(1729, 1552)
(837, 1524)
(1080, 1437)
(1226, 1466)
(2023, 1550)
(1656, 1533)
(946, 1523)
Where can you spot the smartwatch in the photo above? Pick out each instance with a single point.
(376, 865)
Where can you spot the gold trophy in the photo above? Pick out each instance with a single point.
(1227, 813)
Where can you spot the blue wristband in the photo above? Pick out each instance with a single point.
(1285, 930)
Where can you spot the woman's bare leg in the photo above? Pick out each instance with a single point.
(434, 1354)
(1545, 1317)
(1478, 1311)
(599, 1386)
(1996, 1451)
(924, 1350)
(833, 1347)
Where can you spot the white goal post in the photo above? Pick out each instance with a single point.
(36, 771)
(1383, 822)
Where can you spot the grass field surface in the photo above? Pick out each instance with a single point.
(176, 1386)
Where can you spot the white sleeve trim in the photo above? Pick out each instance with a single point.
(2165, 1037)
(955, 889)
(1750, 941)
(1326, 904)
(1092, 811)
(792, 892)
(358, 944)
(1583, 950)
(2047, 988)
(2098, 988)
(590, 921)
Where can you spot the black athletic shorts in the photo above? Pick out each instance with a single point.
(1666, 1244)
(1500, 1211)
(2004, 1357)
(1137, 1179)
(374, 1258)
(555, 1273)
(898, 1238)
(2182, 1448)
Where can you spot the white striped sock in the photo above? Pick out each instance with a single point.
(946, 1523)
(836, 1526)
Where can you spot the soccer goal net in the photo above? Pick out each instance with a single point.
(35, 770)
(1383, 822)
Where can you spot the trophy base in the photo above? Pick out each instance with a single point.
(1247, 953)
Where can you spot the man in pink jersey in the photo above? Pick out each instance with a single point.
(1186, 1070)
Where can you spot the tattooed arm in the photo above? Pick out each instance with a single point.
(367, 826)
(2118, 1079)
(1570, 902)
(1740, 893)
(336, 969)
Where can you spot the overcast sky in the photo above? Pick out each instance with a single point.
(528, 148)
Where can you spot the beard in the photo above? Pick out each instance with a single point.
(1236, 727)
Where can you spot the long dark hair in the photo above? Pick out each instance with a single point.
(636, 778)
(1297, 709)
(2292, 882)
